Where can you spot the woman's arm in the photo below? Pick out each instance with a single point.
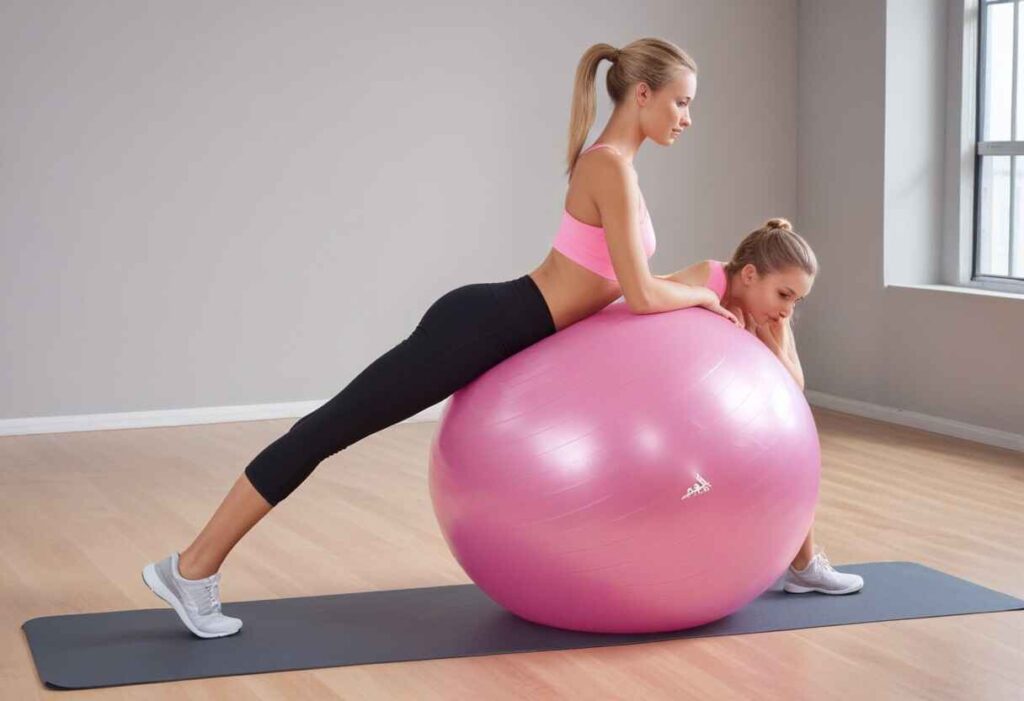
(789, 356)
(793, 365)
(779, 338)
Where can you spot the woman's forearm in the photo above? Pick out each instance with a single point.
(794, 370)
(664, 295)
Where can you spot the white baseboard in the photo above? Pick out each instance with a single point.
(261, 412)
(176, 417)
(925, 422)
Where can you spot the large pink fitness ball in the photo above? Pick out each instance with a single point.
(628, 474)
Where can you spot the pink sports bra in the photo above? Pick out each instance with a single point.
(716, 281)
(585, 244)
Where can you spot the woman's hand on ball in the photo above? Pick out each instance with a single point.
(746, 322)
(774, 334)
(712, 303)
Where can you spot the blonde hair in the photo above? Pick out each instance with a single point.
(773, 248)
(653, 61)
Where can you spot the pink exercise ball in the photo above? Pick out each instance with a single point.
(628, 474)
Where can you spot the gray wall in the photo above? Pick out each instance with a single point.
(212, 207)
(221, 204)
(871, 141)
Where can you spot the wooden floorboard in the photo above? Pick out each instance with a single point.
(83, 512)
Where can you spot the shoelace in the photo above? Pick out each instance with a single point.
(825, 564)
(207, 595)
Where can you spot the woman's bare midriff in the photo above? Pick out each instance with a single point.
(571, 291)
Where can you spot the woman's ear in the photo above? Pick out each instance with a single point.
(749, 274)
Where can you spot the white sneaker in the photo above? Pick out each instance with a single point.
(197, 601)
(820, 576)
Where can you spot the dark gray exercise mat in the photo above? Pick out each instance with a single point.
(82, 651)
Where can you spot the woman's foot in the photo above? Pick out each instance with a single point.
(196, 601)
(820, 576)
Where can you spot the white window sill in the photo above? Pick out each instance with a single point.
(961, 290)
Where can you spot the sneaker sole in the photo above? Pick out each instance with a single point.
(798, 589)
(152, 580)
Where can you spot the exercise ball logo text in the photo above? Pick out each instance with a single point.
(700, 487)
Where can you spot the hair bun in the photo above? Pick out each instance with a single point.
(778, 223)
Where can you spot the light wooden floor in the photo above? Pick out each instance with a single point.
(83, 512)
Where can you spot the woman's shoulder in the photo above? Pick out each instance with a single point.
(707, 273)
(604, 161)
(697, 275)
(598, 171)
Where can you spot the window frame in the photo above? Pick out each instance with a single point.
(966, 18)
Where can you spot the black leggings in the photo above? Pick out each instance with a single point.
(463, 334)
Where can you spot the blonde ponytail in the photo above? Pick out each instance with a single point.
(653, 61)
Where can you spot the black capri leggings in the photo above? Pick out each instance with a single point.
(463, 334)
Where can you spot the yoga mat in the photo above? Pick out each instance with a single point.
(82, 651)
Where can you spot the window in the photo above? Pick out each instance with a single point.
(998, 253)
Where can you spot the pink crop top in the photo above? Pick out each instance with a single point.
(585, 244)
(716, 281)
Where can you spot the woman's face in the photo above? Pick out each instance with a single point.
(667, 112)
(775, 295)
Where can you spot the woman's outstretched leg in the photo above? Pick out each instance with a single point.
(392, 388)
(462, 335)
(188, 581)
(241, 509)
